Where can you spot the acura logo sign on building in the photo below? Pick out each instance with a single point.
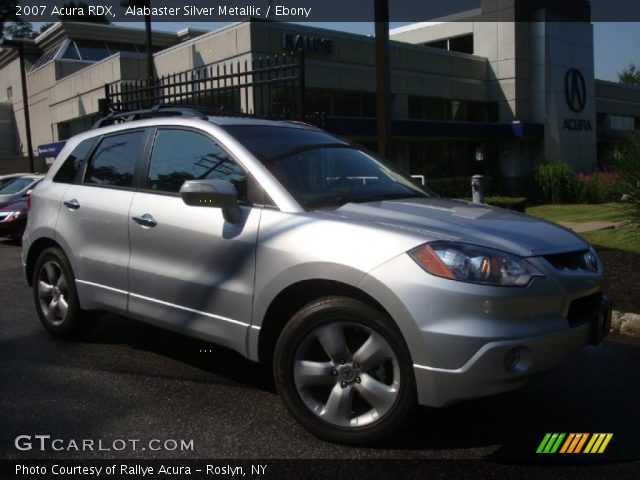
(575, 92)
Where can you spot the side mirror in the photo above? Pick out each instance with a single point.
(213, 193)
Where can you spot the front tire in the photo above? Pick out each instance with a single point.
(342, 368)
(56, 298)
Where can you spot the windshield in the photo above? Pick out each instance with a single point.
(16, 185)
(323, 171)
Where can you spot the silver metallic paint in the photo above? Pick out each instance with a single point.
(199, 275)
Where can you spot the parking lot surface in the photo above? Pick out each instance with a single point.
(131, 381)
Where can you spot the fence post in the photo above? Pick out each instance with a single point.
(301, 93)
(104, 103)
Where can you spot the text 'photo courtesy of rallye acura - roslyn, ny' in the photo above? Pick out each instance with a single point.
(365, 293)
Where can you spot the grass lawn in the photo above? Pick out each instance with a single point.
(603, 212)
(623, 238)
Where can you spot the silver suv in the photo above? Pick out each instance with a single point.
(366, 293)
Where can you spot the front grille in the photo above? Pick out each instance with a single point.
(571, 261)
(584, 310)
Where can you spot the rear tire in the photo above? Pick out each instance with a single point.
(343, 369)
(56, 298)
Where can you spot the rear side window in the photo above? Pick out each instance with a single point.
(72, 165)
(180, 155)
(114, 161)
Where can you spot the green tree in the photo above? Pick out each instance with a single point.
(630, 75)
(7, 14)
(19, 30)
(627, 164)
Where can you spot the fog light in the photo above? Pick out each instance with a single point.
(518, 360)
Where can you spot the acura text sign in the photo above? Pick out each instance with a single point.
(575, 92)
(308, 43)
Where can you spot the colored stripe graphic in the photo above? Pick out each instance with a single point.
(598, 442)
(543, 443)
(574, 443)
(550, 443)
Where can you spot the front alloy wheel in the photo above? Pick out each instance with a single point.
(342, 368)
(343, 388)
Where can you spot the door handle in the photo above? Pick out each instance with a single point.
(145, 220)
(72, 204)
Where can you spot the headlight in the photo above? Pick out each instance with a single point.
(11, 216)
(471, 263)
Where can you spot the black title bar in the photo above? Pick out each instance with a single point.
(326, 10)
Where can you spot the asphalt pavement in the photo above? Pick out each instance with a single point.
(129, 381)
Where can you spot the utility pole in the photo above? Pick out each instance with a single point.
(383, 78)
(19, 45)
(147, 29)
(148, 46)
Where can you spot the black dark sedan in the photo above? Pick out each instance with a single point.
(19, 188)
(13, 219)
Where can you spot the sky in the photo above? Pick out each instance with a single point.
(617, 44)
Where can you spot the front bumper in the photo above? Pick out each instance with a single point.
(505, 365)
(14, 228)
(469, 340)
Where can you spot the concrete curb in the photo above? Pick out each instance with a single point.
(627, 324)
(583, 227)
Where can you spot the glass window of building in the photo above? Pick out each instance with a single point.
(622, 122)
(92, 50)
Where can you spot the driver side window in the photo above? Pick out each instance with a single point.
(180, 155)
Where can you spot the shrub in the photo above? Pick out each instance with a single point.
(518, 204)
(601, 186)
(457, 187)
(627, 164)
(557, 182)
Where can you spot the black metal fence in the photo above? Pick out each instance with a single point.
(268, 87)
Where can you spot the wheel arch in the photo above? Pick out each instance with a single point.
(295, 296)
(35, 249)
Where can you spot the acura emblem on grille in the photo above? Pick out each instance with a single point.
(590, 261)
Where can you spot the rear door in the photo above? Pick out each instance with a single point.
(93, 225)
(191, 270)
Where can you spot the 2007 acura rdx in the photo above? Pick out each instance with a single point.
(295, 248)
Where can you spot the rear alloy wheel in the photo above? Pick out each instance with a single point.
(55, 296)
(343, 370)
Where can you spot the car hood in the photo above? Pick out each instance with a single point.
(438, 218)
(8, 198)
(19, 206)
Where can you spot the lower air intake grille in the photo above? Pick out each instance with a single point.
(584, 309)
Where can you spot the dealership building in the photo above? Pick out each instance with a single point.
(477, 93)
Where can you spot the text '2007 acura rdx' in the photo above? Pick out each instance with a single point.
(366, 293)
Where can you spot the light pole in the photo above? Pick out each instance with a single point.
(383, 77)
(147, 28)
(19, 45)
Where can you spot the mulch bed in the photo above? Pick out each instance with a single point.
(622, 278)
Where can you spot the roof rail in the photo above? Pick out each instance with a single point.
(156, 111)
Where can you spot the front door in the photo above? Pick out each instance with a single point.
(190, 269)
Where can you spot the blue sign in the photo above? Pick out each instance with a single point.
(50, 149)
